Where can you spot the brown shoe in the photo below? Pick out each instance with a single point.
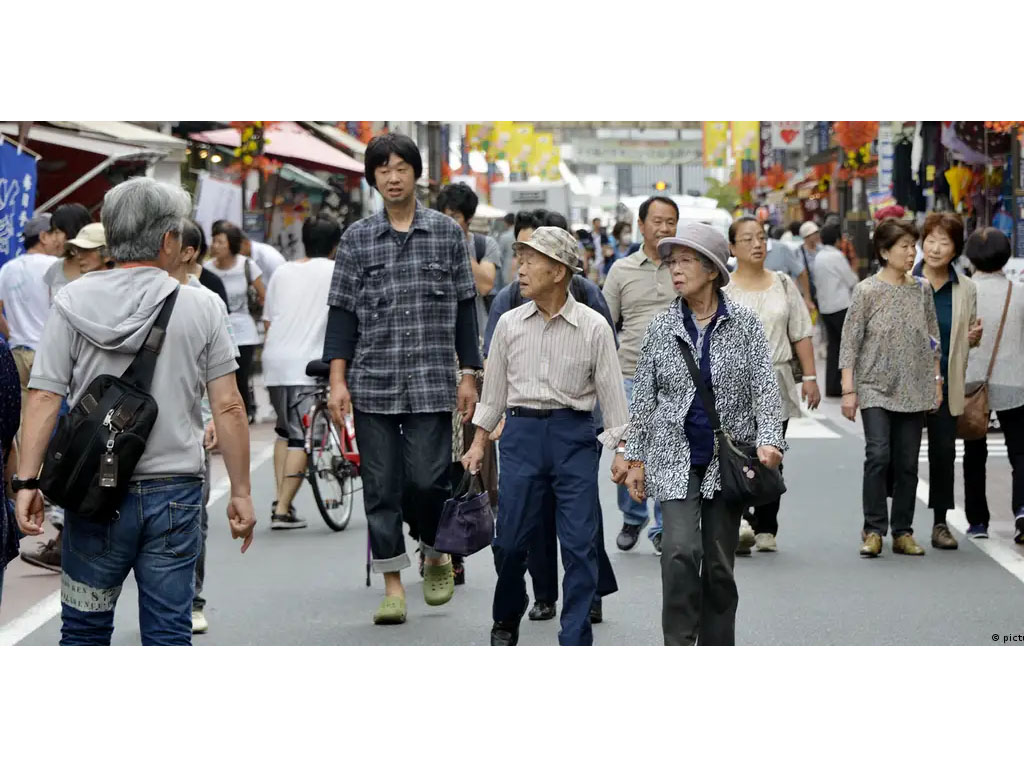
(872, 545)
(942, 538)
(905, 545)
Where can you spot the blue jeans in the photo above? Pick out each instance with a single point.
(634, 512)
(156, 534)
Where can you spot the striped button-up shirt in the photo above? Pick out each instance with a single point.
(568, 361)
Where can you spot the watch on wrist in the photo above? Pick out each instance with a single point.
(809, 378)
(476, 374)
(621, 450)
(17, 484)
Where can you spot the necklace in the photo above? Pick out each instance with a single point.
(708, 317)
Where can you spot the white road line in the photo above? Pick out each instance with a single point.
(20, 627)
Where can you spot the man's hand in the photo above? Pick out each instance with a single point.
(811, 309)
(635, 484)
(210, 436)
(811, 394)
(338, 403)
(769, 455)
(467, 398)
(974, 333)
(242, 519)
(938, 396)
(496, 434)
(28, 508)
(473, 458)
(849, 406)
(620, 468)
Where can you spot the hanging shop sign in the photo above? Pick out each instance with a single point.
(767, 152)
(788, 135)
(17, 196)
(636, 152)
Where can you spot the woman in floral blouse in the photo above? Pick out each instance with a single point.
(890, 366)
(671, 447)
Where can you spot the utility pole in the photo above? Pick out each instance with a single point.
(434, 156)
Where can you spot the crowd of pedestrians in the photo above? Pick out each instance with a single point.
(502, 357)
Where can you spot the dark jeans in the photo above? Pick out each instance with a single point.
(243, 374)
(399, 451)
(766, 518)
(198, 602)
(699, 596)
(542, 561)
(975, 456)
(941, 459)
(556, 456)
(834, 331)
(892, 441)
(157, 536)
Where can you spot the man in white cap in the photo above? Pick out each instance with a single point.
(550, 361)
(811, 234)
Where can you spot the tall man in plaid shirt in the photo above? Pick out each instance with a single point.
(402, 308)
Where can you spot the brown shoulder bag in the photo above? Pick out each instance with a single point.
(973, 422)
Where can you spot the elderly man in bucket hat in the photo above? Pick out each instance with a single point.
(550, 361)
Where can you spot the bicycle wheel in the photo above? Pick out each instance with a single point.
(331, 475)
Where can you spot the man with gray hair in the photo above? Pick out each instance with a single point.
(97, 326)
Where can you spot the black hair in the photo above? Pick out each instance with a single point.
(69, 219)
(794, 228)
(541, 217)
(830, 234)
(233, 234)
(381, 148)
(31, 242)
(619, 226)
(192, 236)
(458, 197)
(645, 206)
(735, 226)
(888, 233)
(988, 249)
(320, 236)
(510, 219)
(776, 232)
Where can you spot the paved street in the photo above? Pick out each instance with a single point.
(308, 586)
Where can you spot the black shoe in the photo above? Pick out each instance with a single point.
(505, 633)
(628, 536)
(459, 569)
(596, 614)
(1018, 524)
(542, 611)
(420, 552)
(48, 555)
(656, 543)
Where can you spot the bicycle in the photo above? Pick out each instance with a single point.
(332, 458)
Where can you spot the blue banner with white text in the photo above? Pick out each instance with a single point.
(17, 197)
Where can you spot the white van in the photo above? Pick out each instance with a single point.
(691, 209)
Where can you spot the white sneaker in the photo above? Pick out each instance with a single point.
(765, 542)
(746, 538)
(199, 623)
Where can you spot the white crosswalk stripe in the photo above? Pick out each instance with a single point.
(996, 449)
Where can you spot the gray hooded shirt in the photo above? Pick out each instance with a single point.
(100, 321)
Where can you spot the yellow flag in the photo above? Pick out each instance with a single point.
(540, 157)
(745, 135)
(501, 137)
(520, 148)
(716, 143)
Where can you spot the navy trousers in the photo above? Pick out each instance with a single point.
(555, 456)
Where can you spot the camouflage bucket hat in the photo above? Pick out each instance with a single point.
(555, 243)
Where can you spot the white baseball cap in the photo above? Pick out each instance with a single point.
(808, 228)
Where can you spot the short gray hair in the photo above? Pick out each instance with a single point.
(709, 266)
(138, 213)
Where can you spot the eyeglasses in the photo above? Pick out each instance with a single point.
(685, 261)
(752, 238)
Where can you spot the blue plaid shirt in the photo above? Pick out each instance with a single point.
(404, 289)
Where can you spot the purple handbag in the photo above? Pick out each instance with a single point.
(467, 521)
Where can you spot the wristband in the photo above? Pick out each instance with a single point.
(808, 378)
(470, 372)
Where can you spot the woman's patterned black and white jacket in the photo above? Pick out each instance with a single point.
(744, 384)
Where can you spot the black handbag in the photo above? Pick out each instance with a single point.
(746, 482)
(467, 520)
(93, 453)
(252, 296)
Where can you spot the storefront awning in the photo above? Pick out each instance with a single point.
(132, 134)
(290, 141)
(84, 143)
(350, 143)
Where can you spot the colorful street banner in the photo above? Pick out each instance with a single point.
(476, 136)
(500, 138)
(788, 134)
(542, 154)
(767, 154)
(520, 148)
(17, 197)
(716, 144)
(745, 135)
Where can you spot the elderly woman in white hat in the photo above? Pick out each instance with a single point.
(671, 446)
(87, 252)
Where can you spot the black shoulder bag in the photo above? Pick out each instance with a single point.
(479, 251)
(746, 481)
(92, 455)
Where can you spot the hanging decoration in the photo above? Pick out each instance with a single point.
(774, 177)
(249, 153)
(855, 138)
(1007, 126)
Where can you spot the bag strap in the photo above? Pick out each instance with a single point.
(479, 246)
(248, 271)
(140, 372)
(999, 333)
(702, 388)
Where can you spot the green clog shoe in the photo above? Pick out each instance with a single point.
(391, 611)
(438, 583)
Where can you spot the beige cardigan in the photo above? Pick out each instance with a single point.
(965, 311)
